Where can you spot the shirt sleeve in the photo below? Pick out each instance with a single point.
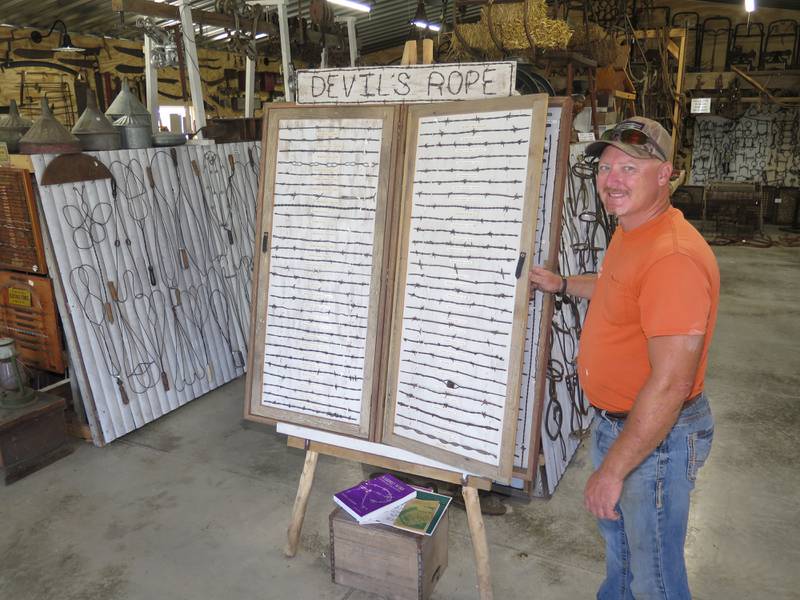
(675, 298)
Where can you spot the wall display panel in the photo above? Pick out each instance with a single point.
(153, 268)
(585, 233)
(322, 224)
(470, 202)
(759, 146)
(540, 310)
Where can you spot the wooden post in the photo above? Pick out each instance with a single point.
(192, 66)
(479, 545)
(249, 86)
(409, 53)
(676, 111)
(570, 76)
(300, 503)
(591, 72)
(427, 51)
(286, 53)
(351, 39)
(151, 83)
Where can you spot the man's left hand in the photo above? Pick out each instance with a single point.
(602, 493)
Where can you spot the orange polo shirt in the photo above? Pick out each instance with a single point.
(660, 278)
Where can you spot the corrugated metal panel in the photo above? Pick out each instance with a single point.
(156, 277)
(386, 26)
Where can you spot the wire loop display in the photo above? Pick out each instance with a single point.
(156, 264)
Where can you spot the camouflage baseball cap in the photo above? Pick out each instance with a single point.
(637, 137)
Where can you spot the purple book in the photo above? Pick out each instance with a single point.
(368, 500)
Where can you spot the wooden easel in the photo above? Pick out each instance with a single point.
(470, 484)
(469, 489)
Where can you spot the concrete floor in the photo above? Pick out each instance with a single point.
(196, 505)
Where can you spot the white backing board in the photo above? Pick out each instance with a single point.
(351, 443)
(469, 187)
(321, 265)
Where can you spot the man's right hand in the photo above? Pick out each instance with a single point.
(545, 280)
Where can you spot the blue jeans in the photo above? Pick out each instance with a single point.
(644, 548)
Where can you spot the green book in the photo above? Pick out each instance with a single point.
(422, 514)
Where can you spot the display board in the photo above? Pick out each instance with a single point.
(470, 203)
(324, 197)
(759, 146)
(540, 309)
(585, 233)
(153, 270)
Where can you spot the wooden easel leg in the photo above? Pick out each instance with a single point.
(301, 502)
(479, 544)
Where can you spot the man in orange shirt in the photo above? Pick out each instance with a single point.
(642, 362)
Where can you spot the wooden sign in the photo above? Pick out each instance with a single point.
(19, 297)
(406, 84)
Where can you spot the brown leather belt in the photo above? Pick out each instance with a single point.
(621, 416)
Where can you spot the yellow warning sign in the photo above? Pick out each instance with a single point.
(19, 297)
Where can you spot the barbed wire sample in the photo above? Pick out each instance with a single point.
(468, 185)
(530, 367)
(585, 233)
(321, 266)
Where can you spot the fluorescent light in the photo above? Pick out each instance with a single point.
(749, 5)
(261, 35)
(352, 5)
(426, 25)
(221, 36)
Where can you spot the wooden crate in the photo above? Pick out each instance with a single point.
(28, 315)
(20, 237)
(32, 436)
(395, 564)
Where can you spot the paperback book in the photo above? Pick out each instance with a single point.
(420, 515)
(370, 500)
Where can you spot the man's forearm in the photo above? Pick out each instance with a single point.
(654, 413)
(581, 285)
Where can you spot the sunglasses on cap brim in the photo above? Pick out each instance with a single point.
(633, 137)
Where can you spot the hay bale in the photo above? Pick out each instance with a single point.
(508, 23)
(600, 45)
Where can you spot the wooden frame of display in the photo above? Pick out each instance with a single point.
(548, 305)
(255, 410)
(538, 104)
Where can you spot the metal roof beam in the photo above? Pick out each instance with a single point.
(167, 11)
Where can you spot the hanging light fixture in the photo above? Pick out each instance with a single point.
(352, 4)
(421, 18)
(65, 43)
(749, 5)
